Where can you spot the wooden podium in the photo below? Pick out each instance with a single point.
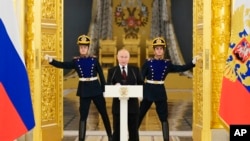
(123, 92)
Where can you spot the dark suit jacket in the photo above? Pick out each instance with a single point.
(134, 77)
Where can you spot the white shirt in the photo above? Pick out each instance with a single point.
(125, 68)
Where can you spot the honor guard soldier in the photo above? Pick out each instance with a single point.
(89, 87)
(154, 72)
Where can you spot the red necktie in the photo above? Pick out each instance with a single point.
(124, 75)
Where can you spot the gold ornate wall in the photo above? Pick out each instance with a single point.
(43, 35)
(211, 32)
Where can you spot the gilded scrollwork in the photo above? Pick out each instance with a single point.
(29, 37)
(198, 47)
(44, 34)
(60, 52)
(220, 39)
(49, 9)
(51, 78)
(49, 41)
(199, 11)
(49, 94)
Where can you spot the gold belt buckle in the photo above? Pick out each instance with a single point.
(87, 79)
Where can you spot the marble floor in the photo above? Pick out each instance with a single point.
(180, 117)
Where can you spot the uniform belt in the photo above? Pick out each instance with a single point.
(88, 79)
(154, 82)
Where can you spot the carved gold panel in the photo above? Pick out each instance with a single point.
(211, 31)
(43, 35)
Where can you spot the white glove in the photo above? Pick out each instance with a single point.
(48, 58)
(197, 57)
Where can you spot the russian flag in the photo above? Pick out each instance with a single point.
(16, 112)
(235, 93)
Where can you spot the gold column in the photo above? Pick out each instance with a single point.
(220, 44)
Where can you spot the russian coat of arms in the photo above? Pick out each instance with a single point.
(238, 62)
(131, 19)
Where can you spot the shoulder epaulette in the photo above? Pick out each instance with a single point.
(76, 57)
(148, 59)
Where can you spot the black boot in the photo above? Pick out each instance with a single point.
(107, 127)
(165, 131)
(82, 130)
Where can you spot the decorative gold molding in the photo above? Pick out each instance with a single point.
(29, 37)
(51, 43)
(49, 95)
(43, 35)
(220, 43)
(49, 10)
(211, 32)
(198, 47)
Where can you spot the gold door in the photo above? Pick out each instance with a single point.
(211, 34)
(43, 35)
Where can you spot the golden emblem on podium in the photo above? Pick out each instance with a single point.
(123, 91)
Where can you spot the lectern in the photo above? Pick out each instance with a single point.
(123, 92)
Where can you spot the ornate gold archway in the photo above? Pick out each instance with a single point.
(42, 33)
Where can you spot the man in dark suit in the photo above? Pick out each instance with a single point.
(124, 74)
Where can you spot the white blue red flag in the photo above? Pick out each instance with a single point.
(235, 94)
(16, 112)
